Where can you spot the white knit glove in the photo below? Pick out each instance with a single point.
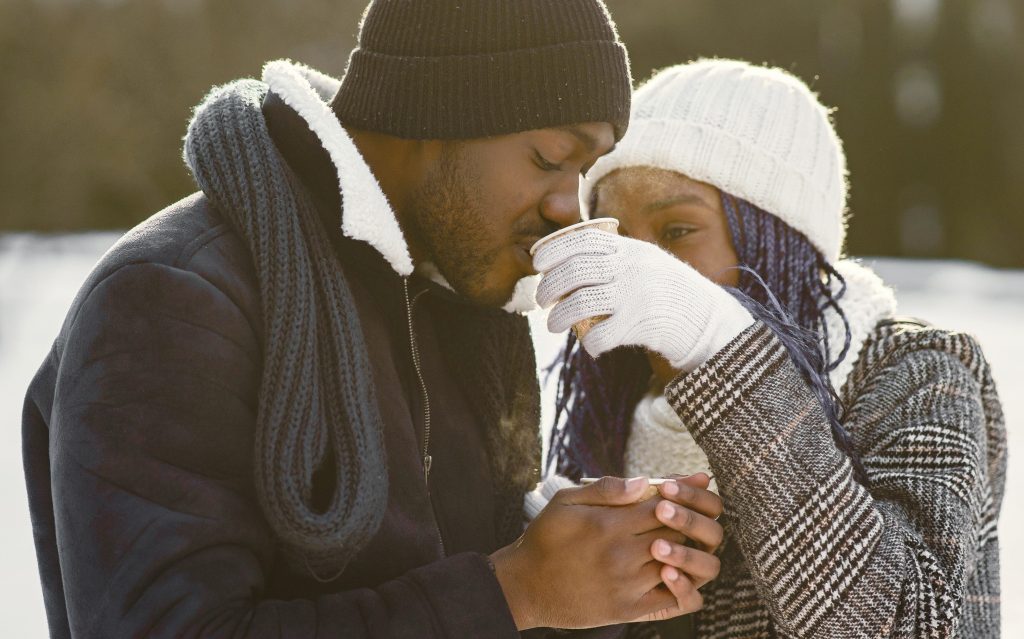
(654, 300)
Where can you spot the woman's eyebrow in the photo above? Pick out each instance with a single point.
(674, 201)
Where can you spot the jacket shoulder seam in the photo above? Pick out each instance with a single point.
(85, 300)
(201, 241)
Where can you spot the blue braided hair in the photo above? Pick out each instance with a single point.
(784, 282)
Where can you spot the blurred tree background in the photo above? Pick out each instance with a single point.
(96, 95)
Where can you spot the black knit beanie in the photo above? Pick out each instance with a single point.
(458, 69)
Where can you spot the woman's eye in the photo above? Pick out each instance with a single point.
(675, 232)
(544, 164)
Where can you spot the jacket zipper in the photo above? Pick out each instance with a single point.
(427, 458)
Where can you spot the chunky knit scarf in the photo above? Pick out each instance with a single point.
(318, 416)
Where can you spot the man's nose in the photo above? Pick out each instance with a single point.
(562, 208)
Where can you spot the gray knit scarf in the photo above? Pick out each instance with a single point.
(318, 414)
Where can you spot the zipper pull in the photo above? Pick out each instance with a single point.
(427, 461)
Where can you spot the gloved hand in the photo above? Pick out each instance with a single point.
(654, 300)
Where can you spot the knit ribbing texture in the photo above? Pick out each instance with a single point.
(452, 69)
(756, 133)
(317, 407)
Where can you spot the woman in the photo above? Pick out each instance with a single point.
(870, 511)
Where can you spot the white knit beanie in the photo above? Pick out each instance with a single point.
(756, 133)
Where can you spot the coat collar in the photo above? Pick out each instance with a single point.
(368, 216)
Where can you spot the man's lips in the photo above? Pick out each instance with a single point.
(528, 242)
(522, 249)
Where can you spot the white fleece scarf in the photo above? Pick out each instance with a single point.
(867, 302)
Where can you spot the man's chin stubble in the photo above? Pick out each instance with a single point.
(472, 285)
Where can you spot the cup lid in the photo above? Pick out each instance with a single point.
(607, 223)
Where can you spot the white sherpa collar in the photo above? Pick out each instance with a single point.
(368, 215)
(867, 302)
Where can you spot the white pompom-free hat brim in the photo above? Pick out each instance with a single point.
(756, 133)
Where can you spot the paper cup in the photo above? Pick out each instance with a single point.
(652, 488)
(607, 224)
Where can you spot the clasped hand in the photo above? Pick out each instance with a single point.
(603, 554)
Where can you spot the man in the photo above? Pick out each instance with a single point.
(292, 405)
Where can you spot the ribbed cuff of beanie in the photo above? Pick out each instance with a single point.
(474, 96)
(730, 164)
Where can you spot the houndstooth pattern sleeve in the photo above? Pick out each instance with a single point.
(913, 554)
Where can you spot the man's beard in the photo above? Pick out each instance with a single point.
(451, 223)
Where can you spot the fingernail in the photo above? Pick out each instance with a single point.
(672, 574)
(666, 510)
(671, 488)
(634, 483)
(663, 548)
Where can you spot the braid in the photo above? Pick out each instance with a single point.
(597, 398)
(792, 301)
(784, 282)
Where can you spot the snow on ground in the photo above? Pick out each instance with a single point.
(39, 276)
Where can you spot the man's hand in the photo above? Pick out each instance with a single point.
(582, 563)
